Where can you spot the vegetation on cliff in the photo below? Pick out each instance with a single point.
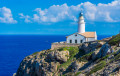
(99, 66)
(114, 40)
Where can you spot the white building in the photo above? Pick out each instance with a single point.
(81, 36)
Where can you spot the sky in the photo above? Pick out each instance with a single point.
(58, 17)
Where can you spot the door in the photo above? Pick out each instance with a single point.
(81, 41)
(70, 41)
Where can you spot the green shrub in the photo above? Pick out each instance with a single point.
(86, 57)
(99, 66)
(115, 40)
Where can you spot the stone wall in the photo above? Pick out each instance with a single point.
(58, 45)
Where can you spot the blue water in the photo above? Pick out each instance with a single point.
(13, 48)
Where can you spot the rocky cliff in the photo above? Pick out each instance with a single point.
(97, 58)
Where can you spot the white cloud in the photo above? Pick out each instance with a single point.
(54, 13)
(92, 12)
(6, 16)
(102, 12)
(27, 18)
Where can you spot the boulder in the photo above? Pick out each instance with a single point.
(74, 66)
(60, 56)
(105, 49)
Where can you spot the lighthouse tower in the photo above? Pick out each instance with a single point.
(81, 24)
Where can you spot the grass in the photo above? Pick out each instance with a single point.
(86, 57)
(99, 66)
(103, 58)
(111, 60)
(63, 49)
(115, 40)
(117, 57)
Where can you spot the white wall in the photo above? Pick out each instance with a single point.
(91, 39)
(73, 38)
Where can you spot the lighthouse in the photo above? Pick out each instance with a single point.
(81, 23)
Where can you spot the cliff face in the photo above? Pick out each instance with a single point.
(96, 58)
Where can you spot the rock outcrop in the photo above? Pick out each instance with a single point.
(105, 49)
(42, 64)
(89, 47)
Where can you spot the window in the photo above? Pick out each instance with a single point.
(75, 41)
(81, 41)
(70, 41)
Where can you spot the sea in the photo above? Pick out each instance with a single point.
(14, 48)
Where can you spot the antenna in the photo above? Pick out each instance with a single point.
(81, 13)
